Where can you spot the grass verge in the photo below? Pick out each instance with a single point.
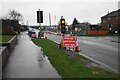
(69, 67)
(5, 38)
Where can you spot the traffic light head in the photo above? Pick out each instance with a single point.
(62, 21)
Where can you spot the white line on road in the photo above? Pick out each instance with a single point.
(93, 43)
(96, 61)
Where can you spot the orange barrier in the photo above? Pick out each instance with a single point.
(97, 32)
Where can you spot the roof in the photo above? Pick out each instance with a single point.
(113, 14)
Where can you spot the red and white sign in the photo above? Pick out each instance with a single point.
(69, 41)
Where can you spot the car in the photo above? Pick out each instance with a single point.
(33, 34)
(58, 34)
(49, 32)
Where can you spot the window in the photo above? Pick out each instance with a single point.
(109, 25)
(109, 18)
(116, 18)
(104, 21)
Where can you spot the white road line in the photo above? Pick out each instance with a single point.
(96, 61)
(93, 43)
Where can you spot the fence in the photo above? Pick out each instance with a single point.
(101, 32)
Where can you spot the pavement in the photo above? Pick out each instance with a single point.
(103, 50)
(26, 61)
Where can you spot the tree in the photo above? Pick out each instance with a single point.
(14, 15)
(74, 24)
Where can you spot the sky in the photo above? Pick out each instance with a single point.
(83, 10)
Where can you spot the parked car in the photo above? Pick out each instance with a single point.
(58, 33)
(32, 34)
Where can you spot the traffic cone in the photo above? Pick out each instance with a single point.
(77, 48)
(71, 35)
(45, 36)
(62, 34)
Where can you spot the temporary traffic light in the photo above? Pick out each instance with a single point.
(62, 22)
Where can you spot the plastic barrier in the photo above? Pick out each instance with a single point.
(69, 42)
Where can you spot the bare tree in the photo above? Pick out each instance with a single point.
(14, 15)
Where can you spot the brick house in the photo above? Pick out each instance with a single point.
(111, 21)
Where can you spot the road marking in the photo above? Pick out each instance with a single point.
(98, 62)
(93, 43)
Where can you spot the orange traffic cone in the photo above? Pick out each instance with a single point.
(45, 36)
(77, 48)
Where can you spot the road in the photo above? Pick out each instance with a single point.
(100, 49)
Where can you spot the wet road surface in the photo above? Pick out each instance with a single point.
(26, 61)
(97, 48)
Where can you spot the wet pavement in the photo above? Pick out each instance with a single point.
(26, 61)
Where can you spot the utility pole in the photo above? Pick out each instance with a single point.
(55, 24)
(55, 21)
(27, 23)
(50, 19)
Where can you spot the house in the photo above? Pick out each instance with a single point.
(81, 28)
(95, 27)
(111, 21)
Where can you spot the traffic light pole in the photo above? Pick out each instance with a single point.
(39, 26)
(62, 22)
(39, 20)
(50, 20)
